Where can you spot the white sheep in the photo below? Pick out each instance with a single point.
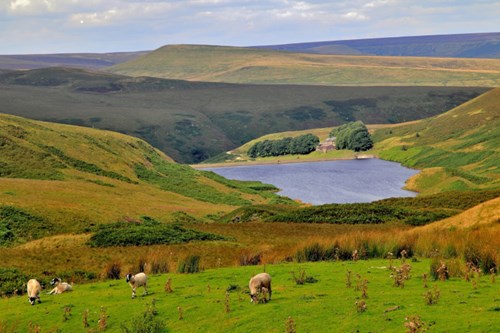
(59, 286)
(136, 281)
(34, 289)
(260, 283)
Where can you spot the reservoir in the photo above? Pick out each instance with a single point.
(342, 181)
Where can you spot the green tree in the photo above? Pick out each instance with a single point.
(353, 135)
(303, 144)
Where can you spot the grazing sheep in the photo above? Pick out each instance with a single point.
(59, 286)
(34, 289)
(258, 284)
(136, 281)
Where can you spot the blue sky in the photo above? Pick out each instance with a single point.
(58, 26)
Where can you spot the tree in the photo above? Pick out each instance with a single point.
(353, 135)
(303, 144)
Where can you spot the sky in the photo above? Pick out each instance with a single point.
(72, 26)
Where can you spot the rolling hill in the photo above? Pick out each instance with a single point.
(67, 179)
(264, 66)
(480, 45)
(192, 121)
(457, 150)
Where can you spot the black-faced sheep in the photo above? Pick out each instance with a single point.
(34, 289)
(59, 286)
(136, 281)
(258, 284)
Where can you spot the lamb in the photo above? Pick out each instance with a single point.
(136, 281)
(34, 289)
(59, 287)
(260, 283)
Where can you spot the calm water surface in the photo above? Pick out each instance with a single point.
(329, 182)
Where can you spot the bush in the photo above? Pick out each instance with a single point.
(314, 252)
(12, 281)
(140, 266)
(191, 264)
(251, 259)
(113, 270)
(147, 322)
(147, 232)
(488, 263)
(302, 278)
(336, 252)
(159, 266)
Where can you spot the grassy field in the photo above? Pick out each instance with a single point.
(192, 121)
(325, 305)
(246, 65)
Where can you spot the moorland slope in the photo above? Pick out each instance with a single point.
(263, 66)
(192, 121)
(67, 179)
(456, 150)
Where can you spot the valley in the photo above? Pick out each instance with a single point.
(95, 184)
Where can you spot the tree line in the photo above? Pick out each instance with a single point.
(303, 144)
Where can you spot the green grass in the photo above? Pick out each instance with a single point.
(193, 121)
(462, 146)
(314, 307)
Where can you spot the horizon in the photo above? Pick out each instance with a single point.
(59, 27)
(256, 46)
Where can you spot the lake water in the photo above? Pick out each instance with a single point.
(344, 181)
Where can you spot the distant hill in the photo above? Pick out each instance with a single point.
(72, 178)
(264, 66)
(480, 45)
(193, 121)
(78, 60)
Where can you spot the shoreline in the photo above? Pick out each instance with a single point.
(286, 161)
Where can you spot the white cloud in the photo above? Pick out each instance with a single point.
(354, 16)
(146, 24)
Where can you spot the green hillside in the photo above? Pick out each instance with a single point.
(457, 150)
(263, 66)
(193, 121)
(60, 179)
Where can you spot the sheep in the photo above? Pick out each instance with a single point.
(136, 281)
(34, 289)
(260, 283)
(59, 287)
